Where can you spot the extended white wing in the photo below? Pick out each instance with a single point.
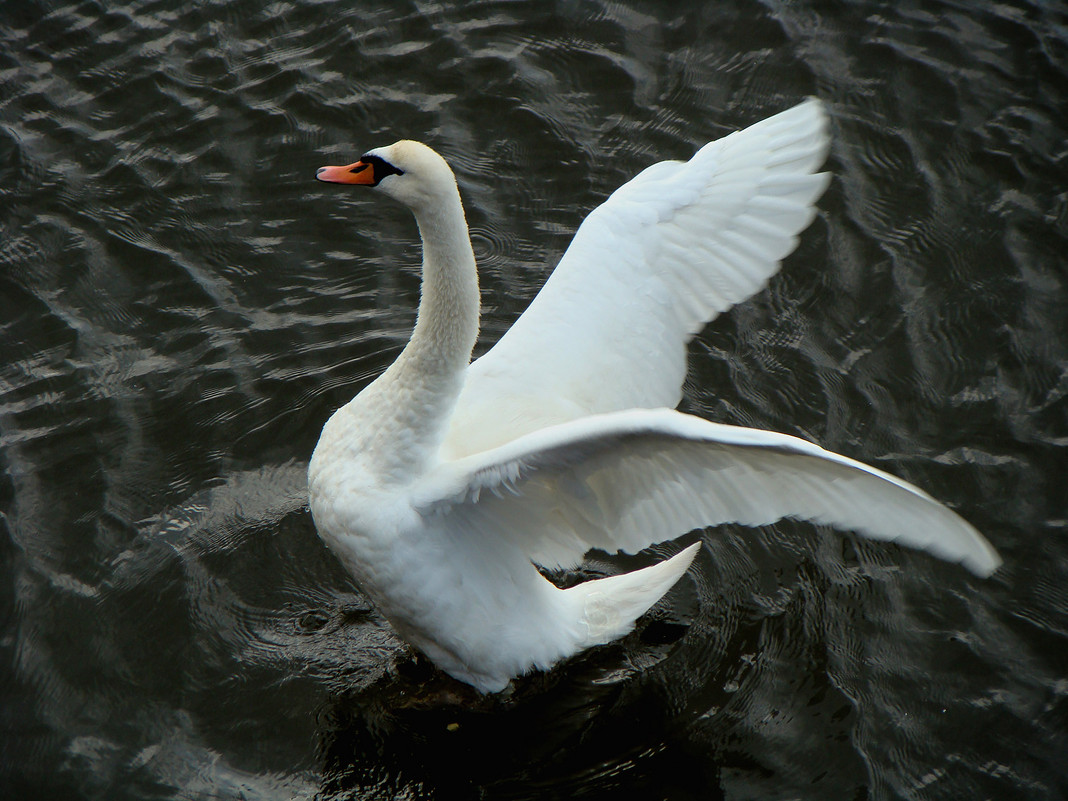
(624, 480)
(666, 253)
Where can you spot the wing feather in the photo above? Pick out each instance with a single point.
(647, 269)
(624, 480)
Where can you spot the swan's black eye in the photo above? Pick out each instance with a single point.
(381, 167)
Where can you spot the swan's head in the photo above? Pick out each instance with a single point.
(408, 171)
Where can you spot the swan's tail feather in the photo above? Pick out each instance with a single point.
(611, 605)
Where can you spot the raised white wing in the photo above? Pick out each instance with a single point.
(666, 253)
(624, 480)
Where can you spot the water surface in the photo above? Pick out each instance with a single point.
(182, 306)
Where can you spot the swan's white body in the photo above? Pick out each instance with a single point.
(443, 483)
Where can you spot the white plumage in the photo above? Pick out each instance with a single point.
(443, 482)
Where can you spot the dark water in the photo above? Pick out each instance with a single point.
(182, 306)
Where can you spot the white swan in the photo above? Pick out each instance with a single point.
(443, 482)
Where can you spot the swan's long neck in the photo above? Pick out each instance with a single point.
(416, 395)
(447, 325)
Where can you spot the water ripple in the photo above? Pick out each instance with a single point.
(181, 305)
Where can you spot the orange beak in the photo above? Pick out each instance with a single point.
(357, 173)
